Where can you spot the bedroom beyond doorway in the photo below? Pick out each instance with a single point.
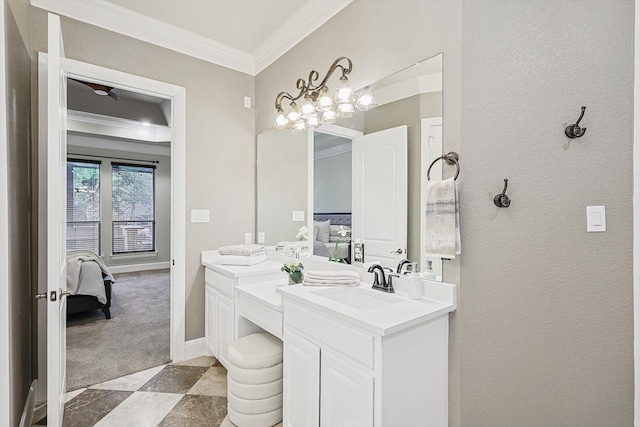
(134, 339)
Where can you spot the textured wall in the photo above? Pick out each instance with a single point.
(545, 312)
(220, 174)
(18, 66)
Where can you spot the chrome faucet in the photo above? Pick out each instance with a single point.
(380, 279)
(402, 264)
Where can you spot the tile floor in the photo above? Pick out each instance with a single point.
(185, 394)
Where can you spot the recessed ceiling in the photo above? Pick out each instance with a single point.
(243, 24)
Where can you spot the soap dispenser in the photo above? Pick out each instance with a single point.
(429, 274)
(414, 285)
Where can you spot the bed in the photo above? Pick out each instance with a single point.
(327, 242)
(90, 281)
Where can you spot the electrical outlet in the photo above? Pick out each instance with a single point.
(247, 237)
(261, 237)
(247, 102)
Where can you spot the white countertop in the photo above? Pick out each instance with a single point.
(385, 320)
(209, 259)
(265, 292)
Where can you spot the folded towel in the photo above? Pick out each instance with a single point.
(242, 250)
(329, 282)
(333, 274)
(331, 278)
(442, 219)
(241, 260)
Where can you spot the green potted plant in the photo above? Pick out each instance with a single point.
(294, 269)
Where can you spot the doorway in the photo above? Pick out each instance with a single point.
(177, 97)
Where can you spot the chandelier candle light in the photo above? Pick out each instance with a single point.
(318, 106)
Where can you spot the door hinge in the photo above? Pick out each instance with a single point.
(173, 262)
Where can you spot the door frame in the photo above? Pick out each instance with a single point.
(5, 338)
(636, 217)
(177, 96)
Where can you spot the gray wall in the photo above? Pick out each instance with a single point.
(545, 308)
(220, 174)
(543, 335)
(281, 184)
(18, 68)
(163, 200)
(332, 184)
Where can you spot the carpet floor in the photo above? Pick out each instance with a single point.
(135, 338)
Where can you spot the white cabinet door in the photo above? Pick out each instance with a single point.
(211, 316)
(346, 394)
(301, 382)
(225, 328)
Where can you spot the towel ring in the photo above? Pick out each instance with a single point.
(451, 158)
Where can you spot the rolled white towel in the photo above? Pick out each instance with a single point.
(242, 250)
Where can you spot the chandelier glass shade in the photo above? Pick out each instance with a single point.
(317, 105)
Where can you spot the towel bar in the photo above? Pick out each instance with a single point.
(451, 158)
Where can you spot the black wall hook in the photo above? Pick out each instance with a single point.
(575, 131)
(502, 200)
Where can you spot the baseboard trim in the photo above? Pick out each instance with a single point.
(194, 348)
(139, 267)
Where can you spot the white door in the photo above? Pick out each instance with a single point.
(56, 143)
(346, 394)
(430, 149)
(301, 382)
(380, 195)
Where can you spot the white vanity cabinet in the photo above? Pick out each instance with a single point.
(219, 328)
(337, 373)
(220, 284)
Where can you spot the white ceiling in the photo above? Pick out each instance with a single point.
(244, 35)
(242, 24)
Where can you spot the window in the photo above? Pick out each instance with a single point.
(83, 205)
(134, 213)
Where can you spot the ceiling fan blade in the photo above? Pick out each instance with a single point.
(98, 87)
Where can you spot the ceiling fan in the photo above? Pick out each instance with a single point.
(99, 89)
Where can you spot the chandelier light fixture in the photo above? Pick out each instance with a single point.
(317, 105)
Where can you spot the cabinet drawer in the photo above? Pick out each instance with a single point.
(267, 318)
(219, 282)
(340, 336)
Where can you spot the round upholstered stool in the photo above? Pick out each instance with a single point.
(254, 379)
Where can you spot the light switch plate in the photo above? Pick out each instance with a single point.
(247, 238)
(596, 219)
(298, 216)
(199, 215)
(261, 237)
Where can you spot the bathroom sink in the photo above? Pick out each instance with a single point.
(358, 298)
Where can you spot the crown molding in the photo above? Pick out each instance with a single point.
(95, 142)
(308, 19)
(97, 124)
(126, 22)
(407, 88)
(123, 21)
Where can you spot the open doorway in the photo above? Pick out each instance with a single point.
(125, 82)
(118, 190)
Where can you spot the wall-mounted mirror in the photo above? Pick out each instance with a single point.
(296, 174)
